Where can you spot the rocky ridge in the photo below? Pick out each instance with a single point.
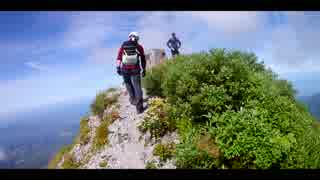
(127, 147)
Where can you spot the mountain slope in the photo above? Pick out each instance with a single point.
(228, 110)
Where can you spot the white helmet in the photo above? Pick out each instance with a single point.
(134, 34)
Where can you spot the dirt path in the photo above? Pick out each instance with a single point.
(125, 149)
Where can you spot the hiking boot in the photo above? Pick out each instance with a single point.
(139, 107)
(132, 101)
(140, 110)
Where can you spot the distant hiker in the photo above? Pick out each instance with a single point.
(174, 44)
(130, 55)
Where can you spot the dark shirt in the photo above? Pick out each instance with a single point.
(174, 43)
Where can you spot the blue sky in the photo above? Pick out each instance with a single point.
(52, 57)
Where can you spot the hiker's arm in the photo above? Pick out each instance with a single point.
(142, 57)
(168, 44)
(119, 59)
(179, 42)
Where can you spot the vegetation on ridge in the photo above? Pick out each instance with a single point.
(164, 151)
(70, 162)
(103, 164)
(101, 135)
(57, 158)
(156, 119)
(233, 112)
(103, 100)
(84, 136)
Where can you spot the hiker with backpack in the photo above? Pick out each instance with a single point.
(130, 55)
(174, 44)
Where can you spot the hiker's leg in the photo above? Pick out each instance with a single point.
(172, 53)
(129, 86)
(177, 52)
(136, 81)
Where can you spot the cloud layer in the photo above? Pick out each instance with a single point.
(80, 60)
(288, 43)
(3, 155)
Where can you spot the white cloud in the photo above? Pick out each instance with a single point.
(64, 85)
(292, 46)
(202, 30)
(23, 51)
(231, 22)
(94, 30)
(103, 55)
(37, 67)
(87, 33)
(90, 29)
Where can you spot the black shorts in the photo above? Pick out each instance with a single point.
(175, 52)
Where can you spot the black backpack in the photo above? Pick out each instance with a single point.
(130, 53)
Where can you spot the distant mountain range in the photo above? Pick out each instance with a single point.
(313, 104)
(33, 138)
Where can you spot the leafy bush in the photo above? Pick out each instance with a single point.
(246, 113)
(157, 120)
(152, 82)
(307, 155)
(164, 151)
(206, 143)
(102, 101)
(189, 155)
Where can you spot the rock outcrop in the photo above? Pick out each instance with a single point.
(154, 57)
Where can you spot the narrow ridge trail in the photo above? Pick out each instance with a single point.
(127, 147)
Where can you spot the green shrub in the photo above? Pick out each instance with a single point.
(102, 101)
(152, 82)
(69, 162)
(307, 155)
(103, 164)
(189, 155)
(84, 131)
(157, 120)
(151, 165)
(250, 115)
(58, 157)
(164, 151)
(101, 136)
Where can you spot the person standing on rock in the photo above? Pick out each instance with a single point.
(174, 44)
(131, 64)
